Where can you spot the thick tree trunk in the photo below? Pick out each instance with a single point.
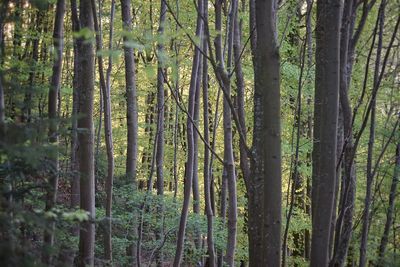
(325, 127)
(266, 187)
(55, 85)
(86, 138)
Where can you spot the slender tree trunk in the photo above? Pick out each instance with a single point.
(28, 99)
(190, 146)
(325, 127)
(240, 84)
(176, 126)
(343, 224)
(75, 184)
(229, 165)
(369, 173)
(160, 130)
(3, 10)
(131, 96)
(108, 134)
(55, 85)
(390, 209)
(195, 185)
(342, 232)
(207, 173)
(266, 169)
(131, 114)
(86, 138)
(295, 198)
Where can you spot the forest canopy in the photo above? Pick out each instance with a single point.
(199, 133)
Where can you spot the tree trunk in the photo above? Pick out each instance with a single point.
(188, 180)
(207, 171)
(131, 96)
(75, 184)
(131, 115)
(195, 184)
(266, 186)
(55, 85)
(369, 173)
(325, 127)
(160, 130)
(86, 138)
(105, 85)
(229, 176)
(3, 9)
(390, 209)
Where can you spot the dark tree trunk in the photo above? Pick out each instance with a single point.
(75, 184)
(266, 188)
(3, 10)
(160, 130)
(325, 127)
(86, 138)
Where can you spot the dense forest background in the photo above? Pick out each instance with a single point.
(199, 133)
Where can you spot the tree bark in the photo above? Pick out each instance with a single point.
(86, 138)
(325, 127)
(265, 187)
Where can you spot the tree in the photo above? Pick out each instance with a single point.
(55, 85)
(160, 124)
(390, 209)
(86, 137)
(325, 127)
(131, 108)
(105, 88)
(265, 186)
(190, 149)
(131, 96)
